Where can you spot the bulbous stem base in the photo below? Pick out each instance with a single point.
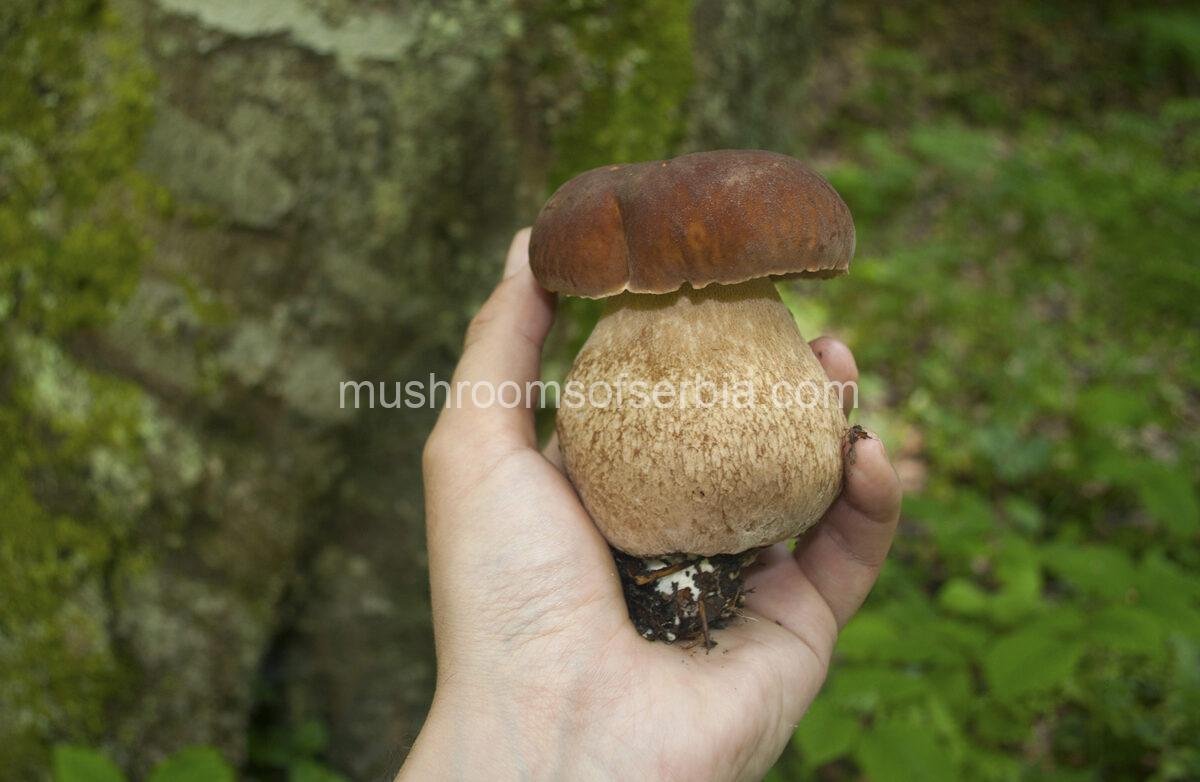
(683, 598)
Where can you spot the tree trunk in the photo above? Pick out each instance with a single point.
(332, 184)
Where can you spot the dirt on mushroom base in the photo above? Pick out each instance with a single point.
(682, 598)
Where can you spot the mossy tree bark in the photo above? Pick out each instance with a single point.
(342, 183)
(317, 191)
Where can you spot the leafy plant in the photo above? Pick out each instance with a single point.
(194, 764)
(199, 764)
(293, 750)
(1024, 298)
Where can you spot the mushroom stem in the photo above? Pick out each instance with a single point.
(706, 425)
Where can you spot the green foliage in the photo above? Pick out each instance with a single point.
(80, 764)
(192, 764)
(992, 63)
(1025, 293)
(295, 751)
(904, 749)
(290, 753)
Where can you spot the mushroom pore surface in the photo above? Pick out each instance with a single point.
(705, 470)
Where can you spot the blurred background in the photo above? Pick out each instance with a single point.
(213, 211)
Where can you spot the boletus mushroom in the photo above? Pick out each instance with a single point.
(703, 427)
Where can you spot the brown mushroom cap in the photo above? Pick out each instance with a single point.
(725, 217)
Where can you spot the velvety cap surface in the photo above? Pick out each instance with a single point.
(710, 217)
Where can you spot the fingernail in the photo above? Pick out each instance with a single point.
(518, 253)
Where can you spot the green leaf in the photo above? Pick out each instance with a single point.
(1162, 582)
(1023, 515)
(928, 637)
(825, 733)
(1166, 591)
(1101, 570)
(1064, 621)
(902, 751)
(1169, 497)
(194, 764)
(1126, 629)
(867, 635)
(310, 737)
(864, 689)
(961, 524)
(960, 596)
(310, 771)
(81, 764)
(1020, 579)
(954, 686)
(1028, 661)
(1105, 406)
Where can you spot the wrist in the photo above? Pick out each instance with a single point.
(481, 732)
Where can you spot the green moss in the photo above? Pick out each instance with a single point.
(75, 104)
(67, 474)
(620, 74)
(623, 76)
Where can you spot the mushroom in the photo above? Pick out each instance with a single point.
(696, 425)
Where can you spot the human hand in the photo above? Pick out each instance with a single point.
(541, 673)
